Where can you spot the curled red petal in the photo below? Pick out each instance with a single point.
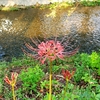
(30, 47)
(6, 79)
(14, 76)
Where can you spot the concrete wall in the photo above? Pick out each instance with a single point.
(28, 2)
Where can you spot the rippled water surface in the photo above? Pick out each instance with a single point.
(17, 27)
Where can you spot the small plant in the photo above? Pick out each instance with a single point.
(12, 82)
(56, 68)
(47, 96)
(82, 59)
(3, 67)
(71, 93)
(82, 64)
(80, 71)
(95, 61)
(45, 84)
(30, 77)
(89, 79)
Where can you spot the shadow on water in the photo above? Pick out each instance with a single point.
(13, 26)
(16, 27)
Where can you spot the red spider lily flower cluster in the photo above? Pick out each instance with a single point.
(67, 74)
(48, 50)
(11, 82)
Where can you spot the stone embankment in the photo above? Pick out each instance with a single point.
(28, 2)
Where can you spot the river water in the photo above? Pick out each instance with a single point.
(16, 28)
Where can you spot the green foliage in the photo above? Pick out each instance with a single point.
(85, 94)
(55, 5)
(76, 93)
(90, 2)
(71, 93)
(7, 94)
(69, 3)
(14, 8)
(21, 95)
(9, 8)
(1, 86)
(83, 62)
(80, 71)
(92, 60)
(30, 77)
(89, 78)
(56, 69)
(45, 84)
(47, 96)
(24, 61)
(89, 94)
(3, 66)
(95, 60)
(83, 59)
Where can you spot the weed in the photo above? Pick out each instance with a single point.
(30, 78)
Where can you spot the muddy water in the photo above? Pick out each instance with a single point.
(17, 26)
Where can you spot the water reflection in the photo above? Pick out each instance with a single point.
(17, 27)
(5, 25)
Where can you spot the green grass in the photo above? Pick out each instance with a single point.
(9, 8)
(87, 68)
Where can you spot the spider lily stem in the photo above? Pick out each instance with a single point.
(13, 93)
(50, 80)
(65, 89)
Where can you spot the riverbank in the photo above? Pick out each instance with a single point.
(52, 5)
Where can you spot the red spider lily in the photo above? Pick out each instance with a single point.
(67, 74)
(11, 82)
(48, 50)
